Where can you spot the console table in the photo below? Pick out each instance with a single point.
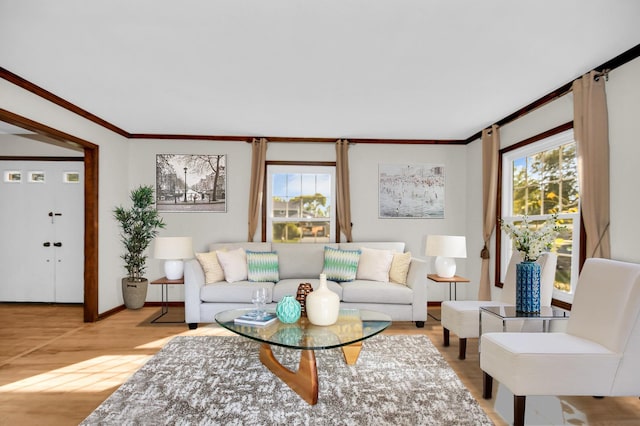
(164, 309)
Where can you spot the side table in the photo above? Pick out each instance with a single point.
(509, 313)
(164, 309)
(454, 280)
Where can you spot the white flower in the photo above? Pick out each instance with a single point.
(532, 242)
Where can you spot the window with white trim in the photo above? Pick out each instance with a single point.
(300, 203)
(538, 180)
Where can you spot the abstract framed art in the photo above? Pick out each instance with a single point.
(411, 191)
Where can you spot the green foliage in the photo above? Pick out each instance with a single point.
(546, 182)
(315, 204)
(286, 232)
(140, 225)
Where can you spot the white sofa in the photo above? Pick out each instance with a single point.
(298, 263)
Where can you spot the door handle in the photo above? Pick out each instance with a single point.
(47, 244)
(52, 216)
(57, 244)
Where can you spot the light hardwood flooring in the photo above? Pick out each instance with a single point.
(55, 369)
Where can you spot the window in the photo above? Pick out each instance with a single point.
(538, 180)
(300, 203)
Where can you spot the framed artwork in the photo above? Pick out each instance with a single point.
(12, 176)
(37, 177)
(191, 183)
(411, 191)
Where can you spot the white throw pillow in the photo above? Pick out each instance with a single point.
(400, 267)
(234, 264)
(213, 272)
(374, 264)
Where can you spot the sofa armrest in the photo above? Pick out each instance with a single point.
(417, 280)
(193, 282)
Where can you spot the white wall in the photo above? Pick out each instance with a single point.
(363, 159)
(363, 162)
(20, 145)
(114, 179)
(623, 101)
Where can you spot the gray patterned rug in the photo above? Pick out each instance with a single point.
(214, 380)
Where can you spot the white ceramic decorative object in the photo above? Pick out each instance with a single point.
(323, 305)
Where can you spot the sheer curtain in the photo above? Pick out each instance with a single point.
(490, 147)
(343, 197)
(591, 131)
(258, 158)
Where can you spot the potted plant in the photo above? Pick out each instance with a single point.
(140, 225)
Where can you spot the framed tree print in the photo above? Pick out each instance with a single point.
(191, 183)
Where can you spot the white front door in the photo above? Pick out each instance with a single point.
(42, 231)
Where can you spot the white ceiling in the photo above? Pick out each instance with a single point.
(414, 69)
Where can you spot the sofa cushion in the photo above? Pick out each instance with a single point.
(234, 264)
(300, 260)
(374, 264)
(238, 292)
(364, 291)
(400, 267)
(340, 265)
(262, 266)
(212, 270)
(289, 287)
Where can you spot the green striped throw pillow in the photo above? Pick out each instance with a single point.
(262, 266)
(340, 265)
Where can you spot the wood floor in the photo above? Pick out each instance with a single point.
(55, 369)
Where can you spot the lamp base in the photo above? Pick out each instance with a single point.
(445, 266)
(173, 269)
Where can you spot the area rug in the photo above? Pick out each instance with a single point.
(217, 380)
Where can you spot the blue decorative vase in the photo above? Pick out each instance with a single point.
(288, 310)
(528, 287)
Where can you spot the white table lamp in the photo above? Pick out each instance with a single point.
(173, 250)
(446, 248)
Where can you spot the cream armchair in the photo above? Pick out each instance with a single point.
(462, 316)
(598, 355)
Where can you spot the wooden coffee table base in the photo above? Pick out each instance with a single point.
(304, 381)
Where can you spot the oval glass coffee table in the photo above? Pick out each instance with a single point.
(353, 326)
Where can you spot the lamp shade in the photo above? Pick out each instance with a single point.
(173, 248)
(446, 246)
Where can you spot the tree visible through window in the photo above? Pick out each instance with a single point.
(539, 180)
(300, 203)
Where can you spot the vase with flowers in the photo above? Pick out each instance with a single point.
(531, 241)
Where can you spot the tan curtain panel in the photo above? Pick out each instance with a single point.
(490, 147)
(591, 131)
(343, 197)
(258, 159)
